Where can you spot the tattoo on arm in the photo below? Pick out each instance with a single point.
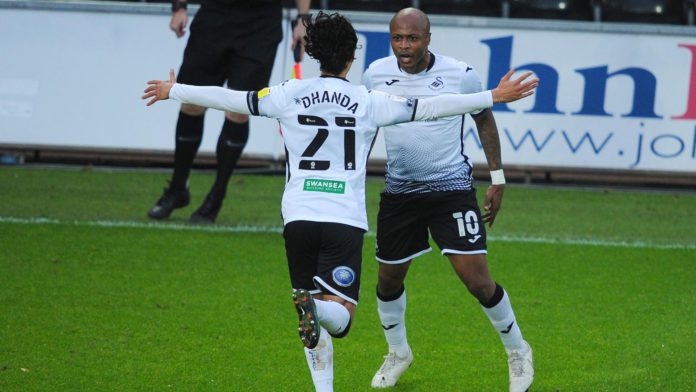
(488, 133)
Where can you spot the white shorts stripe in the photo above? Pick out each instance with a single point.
(405, 259)
(463, 252)
(319, 281)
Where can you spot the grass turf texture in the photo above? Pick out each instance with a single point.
(96, 308)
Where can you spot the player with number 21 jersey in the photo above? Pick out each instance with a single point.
(328, 126)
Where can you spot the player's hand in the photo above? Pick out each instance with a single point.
(512, 90)
(179, 22)
(492, 203)
(298, 34)
(158, 90)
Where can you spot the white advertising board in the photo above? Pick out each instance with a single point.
(607, 99)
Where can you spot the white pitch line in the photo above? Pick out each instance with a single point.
(146, 225)
(589, 242)
(279, 229)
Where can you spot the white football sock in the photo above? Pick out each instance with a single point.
(332, 316)
(503, 319)
(320, 362)
(392, 315)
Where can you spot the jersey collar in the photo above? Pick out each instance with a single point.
(335, 77)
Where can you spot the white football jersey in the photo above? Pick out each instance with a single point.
(328, 126)
(425, 156)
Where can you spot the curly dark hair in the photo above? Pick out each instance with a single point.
(331, 39)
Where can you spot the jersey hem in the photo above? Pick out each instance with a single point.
(325, 219)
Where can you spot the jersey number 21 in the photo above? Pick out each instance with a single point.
(322, 134)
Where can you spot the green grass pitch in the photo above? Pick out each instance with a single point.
(95, 297)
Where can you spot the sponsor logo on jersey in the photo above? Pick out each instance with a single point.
(334, 97)
(389, 83)
(345, 121)
(438, 84)
(328, 186)
(343, 276)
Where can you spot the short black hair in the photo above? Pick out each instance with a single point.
(331, 39)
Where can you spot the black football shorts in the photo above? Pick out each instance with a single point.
(325, 257)
(453, 219)
(232, 44)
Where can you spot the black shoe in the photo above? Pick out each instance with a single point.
(307, 311)
(208, 211)
(171, 199)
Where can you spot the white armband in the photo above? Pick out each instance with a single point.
(497, 177)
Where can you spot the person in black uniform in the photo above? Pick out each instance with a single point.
(233, 41)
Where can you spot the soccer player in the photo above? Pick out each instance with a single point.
(429, 188)
(233, 41)
(328, 126)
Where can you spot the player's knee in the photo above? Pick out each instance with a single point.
(236, 117)
(390, 280)
(389, 285)
(192, 110)
(482, 289)
(344, 332)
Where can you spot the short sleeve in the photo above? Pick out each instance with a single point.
(271, 101)
(471, 83)
(367, 79)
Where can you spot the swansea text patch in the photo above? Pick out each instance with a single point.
(328, 186)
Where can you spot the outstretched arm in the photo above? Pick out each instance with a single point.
(455, 104)
(208, 96)
(513, 90)
(158, 90)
